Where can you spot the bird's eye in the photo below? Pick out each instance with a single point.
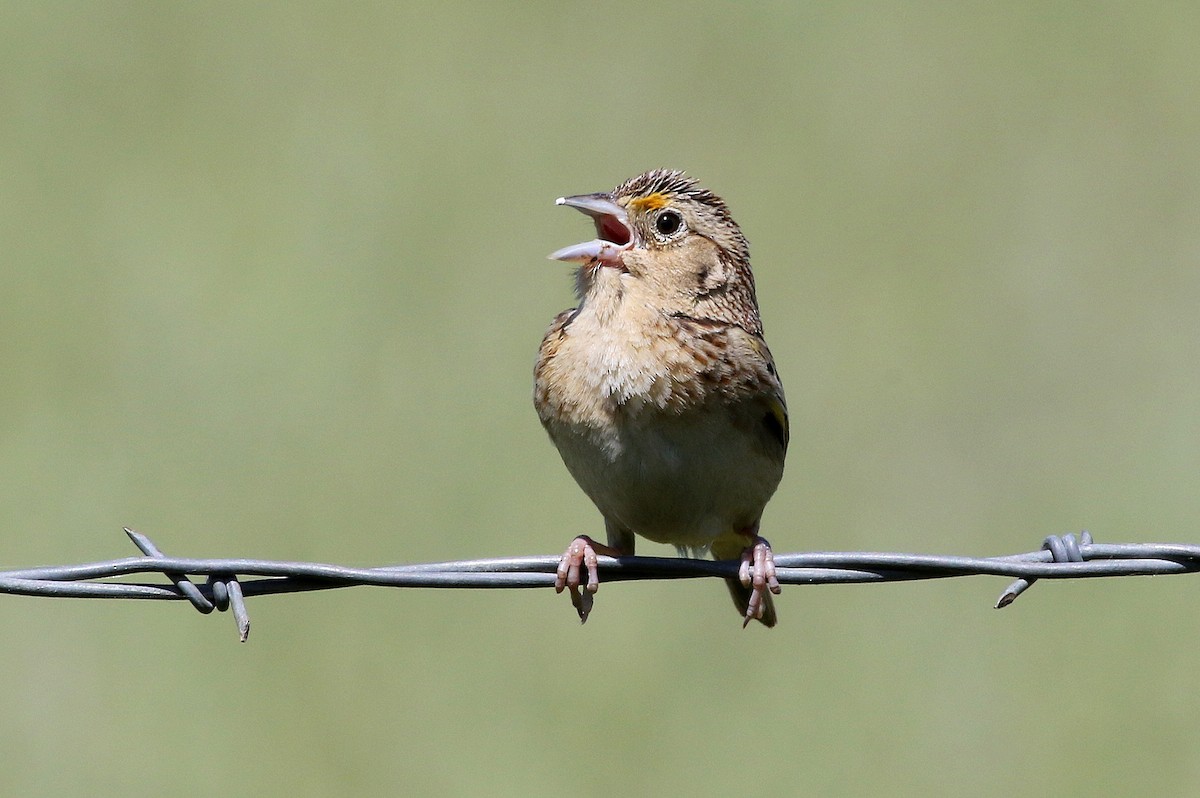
(668, 223)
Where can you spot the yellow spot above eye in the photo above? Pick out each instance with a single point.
(651, 202)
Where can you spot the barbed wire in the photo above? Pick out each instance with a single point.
(226, 588)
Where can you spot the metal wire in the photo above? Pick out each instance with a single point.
(1061, 557)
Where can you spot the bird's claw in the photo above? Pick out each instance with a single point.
(757, 572)
(581, 552)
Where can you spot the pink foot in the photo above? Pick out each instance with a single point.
(582, 552)
(757, 573)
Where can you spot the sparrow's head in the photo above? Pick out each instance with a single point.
(667, 240)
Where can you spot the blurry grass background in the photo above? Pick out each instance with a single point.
(273, 280)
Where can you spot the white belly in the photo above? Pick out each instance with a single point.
(683, 479)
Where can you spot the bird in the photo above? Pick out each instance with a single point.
(658, 389)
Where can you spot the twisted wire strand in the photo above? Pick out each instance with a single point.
(226, 586)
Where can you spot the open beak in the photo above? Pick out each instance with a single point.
(613, 233)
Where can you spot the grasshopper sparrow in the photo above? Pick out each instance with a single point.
(659, 390)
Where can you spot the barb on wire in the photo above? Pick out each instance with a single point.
(1061, 557)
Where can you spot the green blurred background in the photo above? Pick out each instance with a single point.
(274, 276)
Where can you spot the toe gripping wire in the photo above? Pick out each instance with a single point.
(1062, 548)
(225, 589)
